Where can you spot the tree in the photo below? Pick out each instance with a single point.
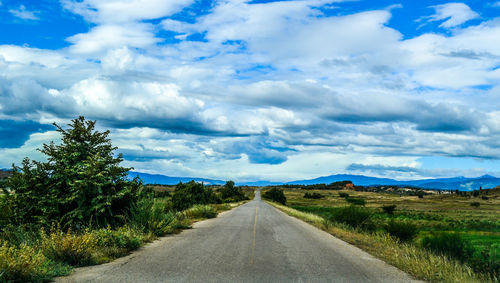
(189, 194)
(81, 183)
(231, 193)
(276, 195)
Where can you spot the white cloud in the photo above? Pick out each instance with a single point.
(104, 37)
(24, 14)
(453, 14)
(124, 11)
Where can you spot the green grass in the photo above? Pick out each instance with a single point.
(479, 226)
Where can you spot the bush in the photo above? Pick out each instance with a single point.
(153, 215)
(230, 193)
(313, 195)
(486, 261)
(389, 209)
(201, 211)
(21, 263)
(275, 195)
(70, 248)
(189, 194)
(485, 197)
(343, 195)
(354, 216)
(475, 204)
(449, 244)
(123, 238)
(403, 230)
(356, 201)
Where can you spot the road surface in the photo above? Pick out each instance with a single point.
(251, 243)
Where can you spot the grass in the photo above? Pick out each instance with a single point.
(420, 263)
(39, 255)
(412, 220)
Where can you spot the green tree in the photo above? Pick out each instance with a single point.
(276, 195)
(81, 182)
(189, 194)
(231, 193)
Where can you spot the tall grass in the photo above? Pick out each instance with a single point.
(421, 263)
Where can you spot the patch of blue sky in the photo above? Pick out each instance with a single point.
(47, 29)
(15, 133)
(192, 13)
(254, 72)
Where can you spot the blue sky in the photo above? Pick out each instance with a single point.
(253, 90)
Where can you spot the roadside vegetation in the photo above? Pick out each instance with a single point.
(80, 208)
(438, 238)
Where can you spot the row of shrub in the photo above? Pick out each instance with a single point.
(448, 244)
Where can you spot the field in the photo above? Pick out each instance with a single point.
(478, 225)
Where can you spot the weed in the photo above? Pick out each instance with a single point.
(403, 230)
(354, 216)
(201, 211)
(449, 244)
(21, 263)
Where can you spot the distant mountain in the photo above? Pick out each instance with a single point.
(455, 183)
(167, 180)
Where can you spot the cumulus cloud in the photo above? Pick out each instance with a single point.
(251, 90)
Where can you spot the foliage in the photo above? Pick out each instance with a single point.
(153, 215)
(230, 193)
(356, 201)
(68, 247)
(403, 230)
(450, 244)
(354, 216)
(475, 204)
(21, 263)
(201, 211)
(343, 195)
(341, 185)
(389, 209)
(189, 194)
(81, 182)
(313, 195)
(275, 195)
(123, 238)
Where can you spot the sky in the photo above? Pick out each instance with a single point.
(259, 90)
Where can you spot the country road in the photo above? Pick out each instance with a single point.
(252, 243)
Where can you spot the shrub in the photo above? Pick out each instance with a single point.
(313, 195)
(153, 215)
(189, 194)
(450, 244)
(403, 230)
(475, 204)
(389, 209)
(70, 248)
(354, 216)
(123, 238)
(356, 201)
(485, 197)
(486, 261)
(343, 195)
(201, 211)
(230, 193)
(21, 263)
(275, 195)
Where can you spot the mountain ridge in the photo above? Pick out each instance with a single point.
(453, 183)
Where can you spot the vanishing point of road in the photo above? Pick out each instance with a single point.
(251, 243)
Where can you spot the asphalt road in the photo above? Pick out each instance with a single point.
(252, 243)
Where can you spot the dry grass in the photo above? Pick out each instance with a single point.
(409, 258)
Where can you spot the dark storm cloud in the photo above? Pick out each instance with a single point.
(14, 133)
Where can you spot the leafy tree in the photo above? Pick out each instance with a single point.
(189, 194)
(231, 193)
(81, 182)
(276, 195)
